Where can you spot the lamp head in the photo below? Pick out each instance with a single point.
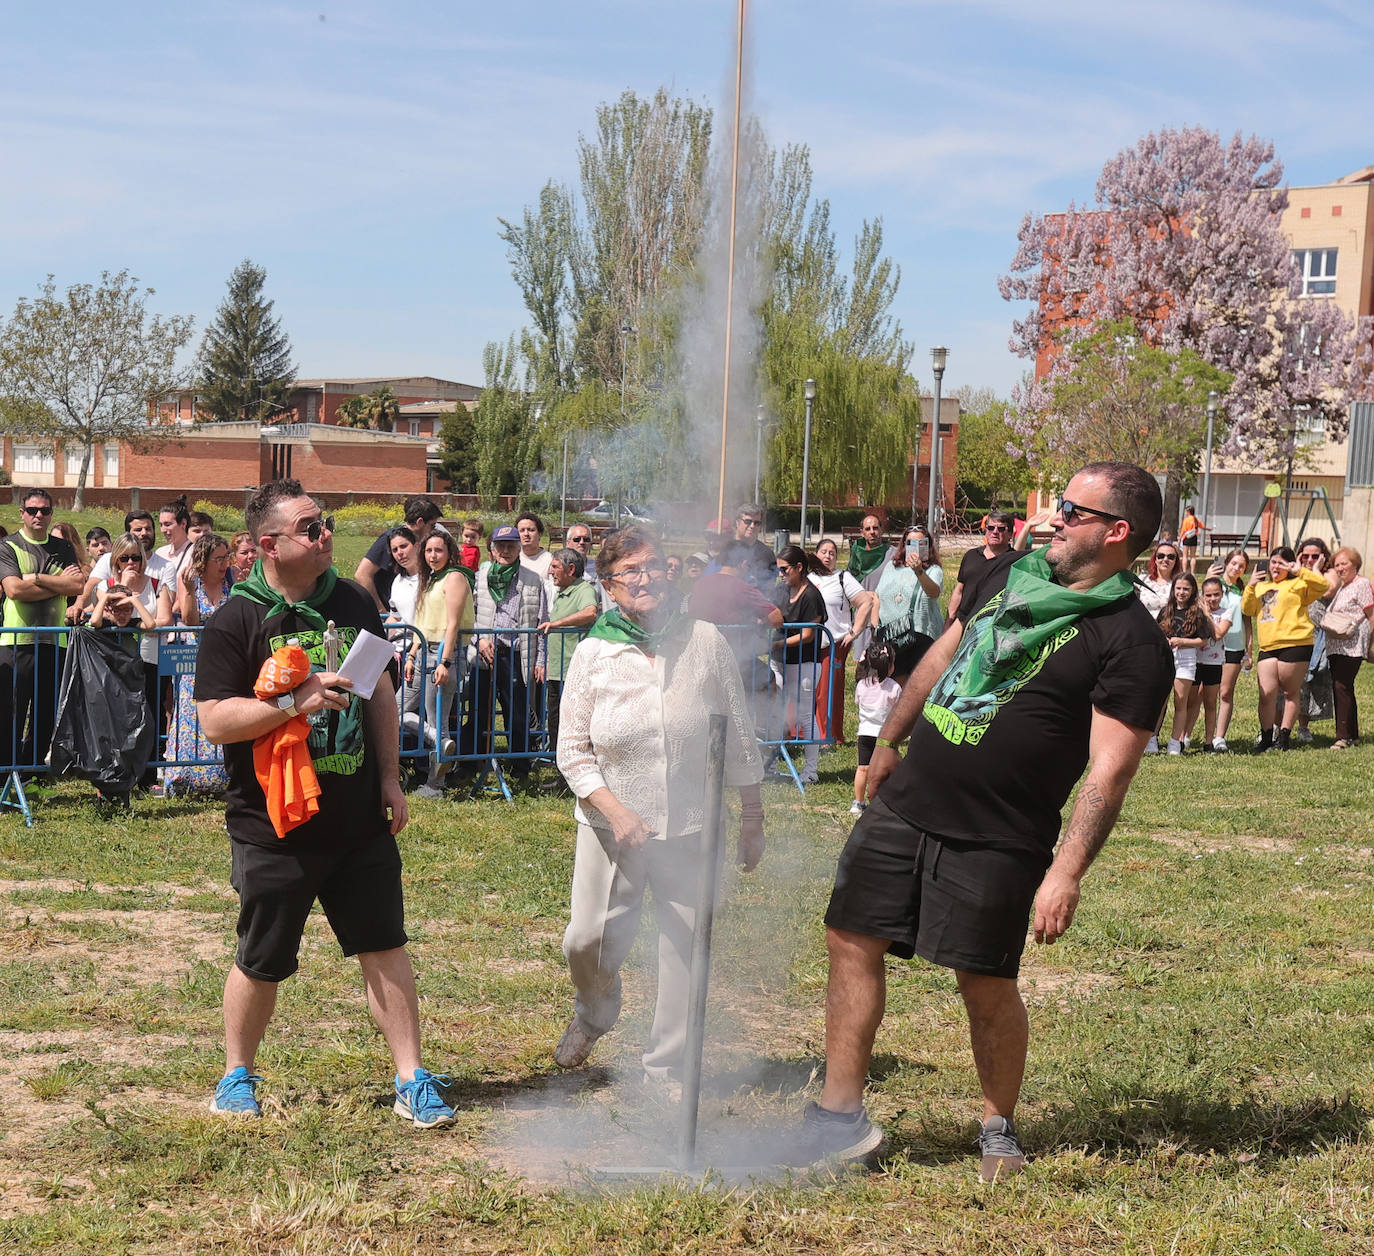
(939, 355)
(810, 390)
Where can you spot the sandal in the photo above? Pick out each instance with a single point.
(1342, 744)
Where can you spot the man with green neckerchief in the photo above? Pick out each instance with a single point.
(1050, 664)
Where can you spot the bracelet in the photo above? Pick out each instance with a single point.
(889, 743)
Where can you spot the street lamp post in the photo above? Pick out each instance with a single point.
(810, 394)
(1207, 466)
(758, 454)
(939, 355)
(563, 500)
(626, 331)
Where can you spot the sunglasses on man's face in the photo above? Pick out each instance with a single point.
(37, 510)
(1071, 510)
(995, 527)
(315, 529)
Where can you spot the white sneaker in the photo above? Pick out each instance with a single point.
(1219, 745)
(1152, 746)
(1175, 747)
(856, 808)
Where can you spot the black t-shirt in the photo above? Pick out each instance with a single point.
(973, 568)
(809, 608)
(1005, 764)
(233, 647)
(379, 555)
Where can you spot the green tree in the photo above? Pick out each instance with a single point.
(1120, 397)
(86, 366)
(505, 435)
(244, 369)
(378, 410)
(986, 469)
(458, 450)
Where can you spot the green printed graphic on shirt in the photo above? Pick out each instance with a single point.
(963, 718)
(337, 745)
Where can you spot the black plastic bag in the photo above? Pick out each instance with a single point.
(103, 732)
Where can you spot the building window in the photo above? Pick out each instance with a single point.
(34, 460)
(1317, 269)
(414, 427)
(311, 407)
(111, 462)
(1311, 426)
(73, 455)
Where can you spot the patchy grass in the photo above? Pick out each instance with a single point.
(1201, 1074)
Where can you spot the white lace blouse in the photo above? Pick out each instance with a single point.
(638, 725)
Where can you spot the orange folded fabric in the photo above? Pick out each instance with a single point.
(281, 758)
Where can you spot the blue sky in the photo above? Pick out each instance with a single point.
(363, 152)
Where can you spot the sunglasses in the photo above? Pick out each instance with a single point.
(315, 529)
(579, 540)
(751, 523)
(995, 527)
(37, 510)
(129, 559)
(1170, 554)
(1071, 509)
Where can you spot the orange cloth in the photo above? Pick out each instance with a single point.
(281, 759)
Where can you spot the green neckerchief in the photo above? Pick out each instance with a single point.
(255, 587)
(468, 573)
(864, 559)
(499, 576)
(613, 626)
(1032, 609)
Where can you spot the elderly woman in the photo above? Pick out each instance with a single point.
(1347, 623)
(636, 703)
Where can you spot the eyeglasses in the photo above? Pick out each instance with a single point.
(786, 566)
(745, 522)
(1069, 509)
(638, 575)
(579, 540)
(36, 510)
(315, 529)
(128, 560)
(1163, 554)
(995, 527)
(1310, 558)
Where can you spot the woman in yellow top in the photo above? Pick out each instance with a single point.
(442, 610)
(1279, 604)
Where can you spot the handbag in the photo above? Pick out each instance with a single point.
(1339, 623)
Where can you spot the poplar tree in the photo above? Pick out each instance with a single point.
(244, 370)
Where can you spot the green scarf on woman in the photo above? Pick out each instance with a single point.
(254, 586)
(612, 625)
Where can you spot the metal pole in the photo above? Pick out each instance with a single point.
(758, 456)
(931, 520)
(710, 858)
(1207, 466)
(563, 501)
(806, 456)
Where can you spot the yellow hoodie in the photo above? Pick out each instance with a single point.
(1280, 608)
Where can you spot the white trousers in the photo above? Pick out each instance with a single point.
(607, 902)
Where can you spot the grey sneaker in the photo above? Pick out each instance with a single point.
(1002, 1153)
(836, 1138)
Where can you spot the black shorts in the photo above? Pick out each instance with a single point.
(1235, 656)
(963, 905)
(359, 889)
(866, 745)
(1208, 674)
(1290, 654)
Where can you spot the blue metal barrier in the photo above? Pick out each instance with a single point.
(501, 719)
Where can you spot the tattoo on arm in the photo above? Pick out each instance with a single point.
(1094, 814)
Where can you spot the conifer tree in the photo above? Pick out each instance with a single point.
(245, 368)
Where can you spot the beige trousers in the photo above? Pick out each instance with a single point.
(607, 902)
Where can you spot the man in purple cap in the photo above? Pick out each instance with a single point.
(509, 664)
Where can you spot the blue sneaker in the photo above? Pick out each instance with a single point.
(236, 1094)
(420, 1102)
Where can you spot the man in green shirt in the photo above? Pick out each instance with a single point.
(575, 606)
(38, 573)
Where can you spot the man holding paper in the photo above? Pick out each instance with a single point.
(314, 798)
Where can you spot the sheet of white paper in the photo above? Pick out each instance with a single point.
(366, 662)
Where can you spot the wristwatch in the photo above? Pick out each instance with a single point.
(287, 702)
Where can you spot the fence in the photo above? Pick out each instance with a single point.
(497, 713)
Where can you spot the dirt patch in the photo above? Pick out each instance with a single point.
(1211, 844)
(1050, 983)
(60, 885)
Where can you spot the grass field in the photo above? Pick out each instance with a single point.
(1201, 1076)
